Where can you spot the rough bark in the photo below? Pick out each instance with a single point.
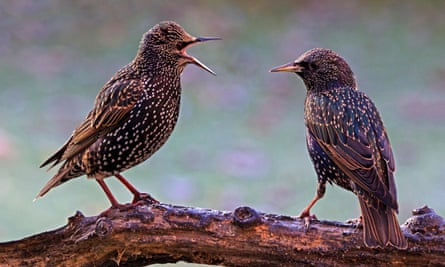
(161, 233)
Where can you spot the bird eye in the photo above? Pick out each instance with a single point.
(182, 45)
(312, 66)
(304, 64)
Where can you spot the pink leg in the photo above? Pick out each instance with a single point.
(137, 195)
(107, 191)
(307, 211)
(127, 184)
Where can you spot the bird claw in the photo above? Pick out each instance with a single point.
(356, 222)
(141, 198)
(115, 208)
(307, 218)
(144, 198)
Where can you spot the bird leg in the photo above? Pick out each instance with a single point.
(137, 195)
(306, 213)
(114, 202)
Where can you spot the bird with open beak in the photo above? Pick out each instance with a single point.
(133, 115)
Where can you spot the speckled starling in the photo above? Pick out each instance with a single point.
(348, 144)
(133, 114)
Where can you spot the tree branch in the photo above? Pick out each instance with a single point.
(161, 233)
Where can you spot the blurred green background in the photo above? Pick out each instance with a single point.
(240, 137)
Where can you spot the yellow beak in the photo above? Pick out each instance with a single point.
(288, 67)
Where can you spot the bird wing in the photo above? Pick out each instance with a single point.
(112, 104)
(349, 129)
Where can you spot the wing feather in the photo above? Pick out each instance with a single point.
(112, 105)
(349, 129)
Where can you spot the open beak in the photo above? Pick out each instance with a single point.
(288, 67)
(194, 60)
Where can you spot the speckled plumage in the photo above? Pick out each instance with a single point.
(348, 144)
(133, 114)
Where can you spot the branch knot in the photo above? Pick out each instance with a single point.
(246, 217)
(104, 227)
(425, 223)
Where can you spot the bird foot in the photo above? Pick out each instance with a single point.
(144, 198)
(355, 222)
(141, 198)
(307, 218)
(116, 208)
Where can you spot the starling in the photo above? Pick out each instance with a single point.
(133, 114)
(348, 144)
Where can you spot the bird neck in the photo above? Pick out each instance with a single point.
(328, 80)
(325, 86)
(156, 66)
(156, 61)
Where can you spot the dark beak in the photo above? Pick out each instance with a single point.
(194, 60)
(289, 67)
(205, 39)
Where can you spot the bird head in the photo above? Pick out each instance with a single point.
(321, 69)
(170, 41)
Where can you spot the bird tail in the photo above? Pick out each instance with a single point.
(59, 178)
(70, 169)
(380, 226)
(55, 158)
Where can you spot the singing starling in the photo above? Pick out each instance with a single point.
(348, 144)
(133, 115)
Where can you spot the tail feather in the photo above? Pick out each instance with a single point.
(69, 170)
(380, 226)
(59, 178)
(396, 238)
(55, 158)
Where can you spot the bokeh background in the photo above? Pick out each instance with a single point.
(240, 137)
